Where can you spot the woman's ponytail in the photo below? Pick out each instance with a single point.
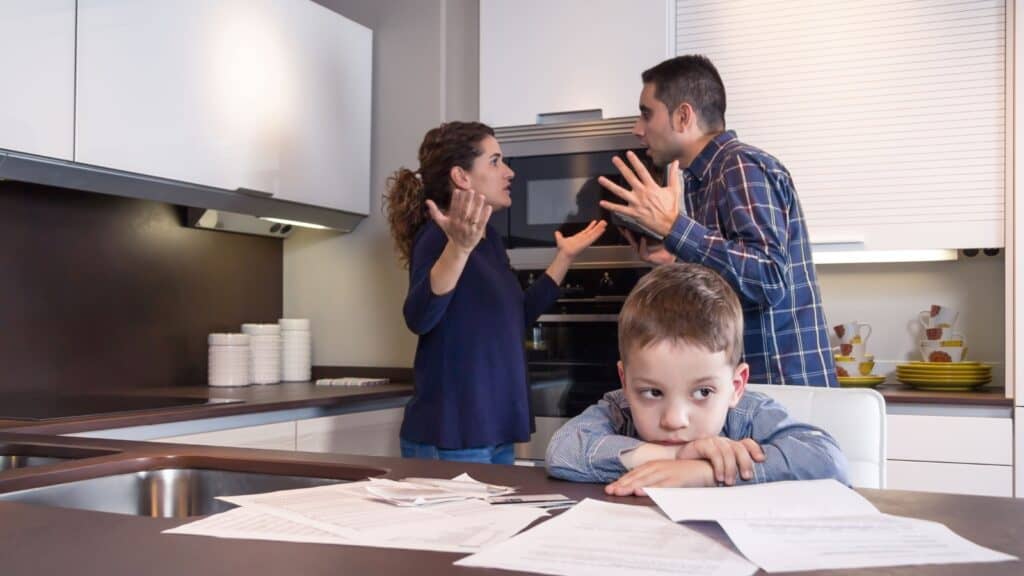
(406, 210)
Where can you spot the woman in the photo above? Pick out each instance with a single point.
(471, 401)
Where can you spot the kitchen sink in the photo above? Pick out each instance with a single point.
(24, 455)
(174, 492)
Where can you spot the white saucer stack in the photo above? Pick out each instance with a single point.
(265, 352)
(296, 349)
(228, 360)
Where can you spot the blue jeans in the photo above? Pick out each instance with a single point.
(497, 454)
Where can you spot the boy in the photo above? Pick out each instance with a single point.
(681, 417)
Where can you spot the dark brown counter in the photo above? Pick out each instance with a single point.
(896, 393)
(256, 399)
(41, 540)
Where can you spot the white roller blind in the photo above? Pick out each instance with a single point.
(891, 115)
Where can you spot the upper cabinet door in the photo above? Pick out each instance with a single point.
(37, 60)
(541, 57)
(267, 95)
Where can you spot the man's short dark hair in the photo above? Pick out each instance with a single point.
(692, 79)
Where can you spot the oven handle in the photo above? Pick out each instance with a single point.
(574, 318)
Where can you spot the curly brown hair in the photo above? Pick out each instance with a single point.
(450, 144)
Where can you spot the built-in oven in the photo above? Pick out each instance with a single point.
(572, 349)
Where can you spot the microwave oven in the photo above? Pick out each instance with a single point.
(556, 188)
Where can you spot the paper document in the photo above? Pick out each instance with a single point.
(792, 544)
(817, 525)
(253, 524)
(597, 538)
(352, 513)
(797, 499)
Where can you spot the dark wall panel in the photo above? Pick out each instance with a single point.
(106, 291)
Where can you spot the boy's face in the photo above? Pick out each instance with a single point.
(679, 393)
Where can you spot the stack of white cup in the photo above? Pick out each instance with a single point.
(229, 360)
(296, 349)
(265, 352)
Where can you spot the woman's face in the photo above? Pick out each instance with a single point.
(490, 175)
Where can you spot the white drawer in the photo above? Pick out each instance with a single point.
(950, 478)
(968, 440)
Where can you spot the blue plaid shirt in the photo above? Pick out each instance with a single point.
(744, 221)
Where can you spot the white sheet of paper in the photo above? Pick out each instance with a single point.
(798, 499)
(793, 544)
(348, 511)
(255, 524)
(597, 538)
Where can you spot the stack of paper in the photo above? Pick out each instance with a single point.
(783, 526)
(426, 491)
(353, 514)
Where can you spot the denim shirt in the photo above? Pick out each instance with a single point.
(587, 448)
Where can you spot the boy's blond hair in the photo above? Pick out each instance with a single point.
(686, 303)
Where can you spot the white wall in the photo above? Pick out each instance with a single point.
(425, 71)
(889, 296)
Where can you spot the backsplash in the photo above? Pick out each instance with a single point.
(889, 297)
(114, 292)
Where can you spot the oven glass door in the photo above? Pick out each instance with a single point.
(572, 362)
(561, 192)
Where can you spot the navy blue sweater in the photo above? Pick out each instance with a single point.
(471, 386)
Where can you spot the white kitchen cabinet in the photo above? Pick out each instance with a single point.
(373, 433)
(268, 95)
(957, 454)
(950, 478)
(539, 57)
(37, 57)
(276, 436)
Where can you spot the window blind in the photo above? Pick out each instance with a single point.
(891, 115)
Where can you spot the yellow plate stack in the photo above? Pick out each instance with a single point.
(944, 375)
(860, 381)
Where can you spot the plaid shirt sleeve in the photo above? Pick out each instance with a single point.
(752, 255)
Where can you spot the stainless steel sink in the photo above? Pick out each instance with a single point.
(166, 493)
(24, 455)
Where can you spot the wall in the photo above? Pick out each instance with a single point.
(425, 71)
(102, 291)
(889, 296)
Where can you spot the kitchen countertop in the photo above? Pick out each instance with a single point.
(46, 540)
(256, 399)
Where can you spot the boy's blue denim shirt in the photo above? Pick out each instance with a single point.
(587, 448)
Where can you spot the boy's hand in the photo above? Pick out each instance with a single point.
(727, 457)
(662, 473)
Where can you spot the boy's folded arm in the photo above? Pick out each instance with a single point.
(587, 448)
(793, 450)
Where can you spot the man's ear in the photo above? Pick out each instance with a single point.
(459, 178)
(683, 117)
(622, 374)
(739, 383)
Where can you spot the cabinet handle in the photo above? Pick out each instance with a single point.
(570, 116)
(254, 193)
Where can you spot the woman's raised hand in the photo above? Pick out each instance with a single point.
(573, 245)
(466, 219)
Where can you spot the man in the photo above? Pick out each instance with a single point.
(740, 216)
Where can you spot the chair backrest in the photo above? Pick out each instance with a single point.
(855, 417)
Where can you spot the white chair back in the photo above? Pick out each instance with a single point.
(855, 417)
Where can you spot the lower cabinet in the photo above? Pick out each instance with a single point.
(954, 454)
(372, 433)
(276, 436)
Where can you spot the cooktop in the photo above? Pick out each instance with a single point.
(31, 406)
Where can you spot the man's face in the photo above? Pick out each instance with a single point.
(679, 392)
(655, 129)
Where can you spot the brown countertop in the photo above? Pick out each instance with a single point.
(256, 399)
(896, 393)
(44, 540)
